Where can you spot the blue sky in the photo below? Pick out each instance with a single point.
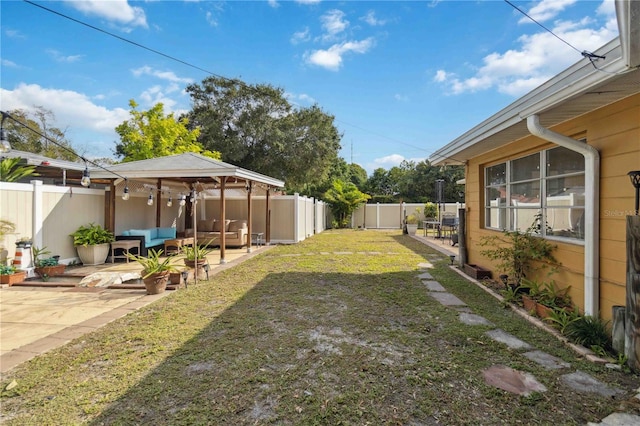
(401, 78)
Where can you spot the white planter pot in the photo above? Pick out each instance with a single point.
(93, 255)
(412, 228)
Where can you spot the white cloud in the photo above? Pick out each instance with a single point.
(401, 98)
(331, 58)
(370, 18)
(211, 20)
(386, 162)
(71, 109)
(273, 3)
(298, 99)
(58, 57)
(163, 75)
(301, 36)
(546, 10)
(333, 22)
(14, 34)
(538, 58)
(8, 63)
(118, 11)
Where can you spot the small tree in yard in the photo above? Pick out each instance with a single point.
(344, 198)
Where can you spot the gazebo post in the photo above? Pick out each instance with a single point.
(223, 207)
(249, 204)
(268, 219)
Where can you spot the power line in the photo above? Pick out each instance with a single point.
(592, 57)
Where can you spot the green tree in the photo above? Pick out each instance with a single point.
(256, 128)
(26, 135)
(151, 134)
(344, 198)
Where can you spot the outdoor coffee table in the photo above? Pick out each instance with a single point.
(126, 246)
(175, 245)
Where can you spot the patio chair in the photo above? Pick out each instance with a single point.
(448, 225)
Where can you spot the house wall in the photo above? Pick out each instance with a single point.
(614, 131)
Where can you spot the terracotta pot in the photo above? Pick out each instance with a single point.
(543, 311)
(200, 267)
(529, 303)
(14, 278)
(47, 272)
(156, 283)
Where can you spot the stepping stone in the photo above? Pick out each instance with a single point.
(425, 265)
(549, 362)
(473, 319)
(618, 419)
(508, 339)
(511, 380)
(425, 276)
(447, 299)
(582, 382)
(433, 286)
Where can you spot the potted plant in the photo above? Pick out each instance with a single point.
(46, 266)
(196, 257)
(155, 271)
(10, 275)
(412, 224)
(92, 243)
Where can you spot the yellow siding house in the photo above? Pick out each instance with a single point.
(563, 151)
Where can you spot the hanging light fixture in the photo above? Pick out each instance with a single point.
(183, 199)
(86, 179)
(170, 200)
(125, 191)
(150, 199)
(5, 146)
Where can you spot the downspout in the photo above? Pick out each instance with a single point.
(591, 209)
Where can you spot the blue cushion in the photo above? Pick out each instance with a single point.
(166, 233)
(146, 233)
(126, 233)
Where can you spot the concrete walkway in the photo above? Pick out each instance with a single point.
(37, 319)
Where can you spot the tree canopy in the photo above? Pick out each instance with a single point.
(151, 134)
(256, 128)
(27, 136)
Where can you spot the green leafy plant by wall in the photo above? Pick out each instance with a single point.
(517, 252)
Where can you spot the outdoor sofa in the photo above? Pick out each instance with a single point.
(209, 231)
(149, 237)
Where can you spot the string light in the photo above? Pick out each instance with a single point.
(150, 199)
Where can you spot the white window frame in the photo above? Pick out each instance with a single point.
(506, 213)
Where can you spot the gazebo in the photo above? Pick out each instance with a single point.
(187, 178)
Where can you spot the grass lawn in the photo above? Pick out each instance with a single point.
(337, 329)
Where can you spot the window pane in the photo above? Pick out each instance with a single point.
(562, 161)
(495, 218)
(496, 197)
(496, 175)
(525, 168)
(565, 191)
(565, 222)
(522, 219)
(526, 194)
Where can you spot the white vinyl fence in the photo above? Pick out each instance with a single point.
(390, 216)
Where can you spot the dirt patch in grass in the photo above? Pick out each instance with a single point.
(335, 330)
